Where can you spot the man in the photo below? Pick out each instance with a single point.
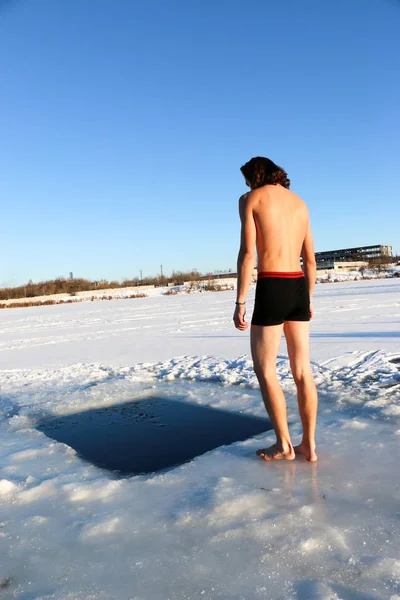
(277, 222)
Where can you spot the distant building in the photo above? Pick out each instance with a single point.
(230, 275)
(326, 260)
(345, 267)
(219, 275)
(100, 283)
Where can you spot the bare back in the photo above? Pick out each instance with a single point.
(282, 221)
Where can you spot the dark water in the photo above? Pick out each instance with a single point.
(145, 436)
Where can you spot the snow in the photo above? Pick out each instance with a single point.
(225, 525)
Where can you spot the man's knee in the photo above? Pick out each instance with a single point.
(265, 372)
(302, 375)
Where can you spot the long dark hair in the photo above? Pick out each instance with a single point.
(261, 171)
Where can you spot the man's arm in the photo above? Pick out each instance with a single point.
(309, 264)
(246, 257)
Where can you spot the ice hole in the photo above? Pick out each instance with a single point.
(150, 434)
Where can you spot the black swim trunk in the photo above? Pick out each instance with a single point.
(281, 297)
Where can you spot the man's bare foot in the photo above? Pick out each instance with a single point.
(276, 453)
(307, 451)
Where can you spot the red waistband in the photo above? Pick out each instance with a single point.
(281, 274)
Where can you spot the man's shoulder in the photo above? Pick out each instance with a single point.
(248, 198)
(244, 201)
(245, 204)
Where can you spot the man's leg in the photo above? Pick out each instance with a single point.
(264, 349)
(297, 335)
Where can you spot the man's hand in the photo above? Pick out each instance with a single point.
(311, 311)
(238, 317)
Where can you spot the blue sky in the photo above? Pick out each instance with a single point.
(124, 125)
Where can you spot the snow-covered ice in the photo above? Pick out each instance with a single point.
(225, 525)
